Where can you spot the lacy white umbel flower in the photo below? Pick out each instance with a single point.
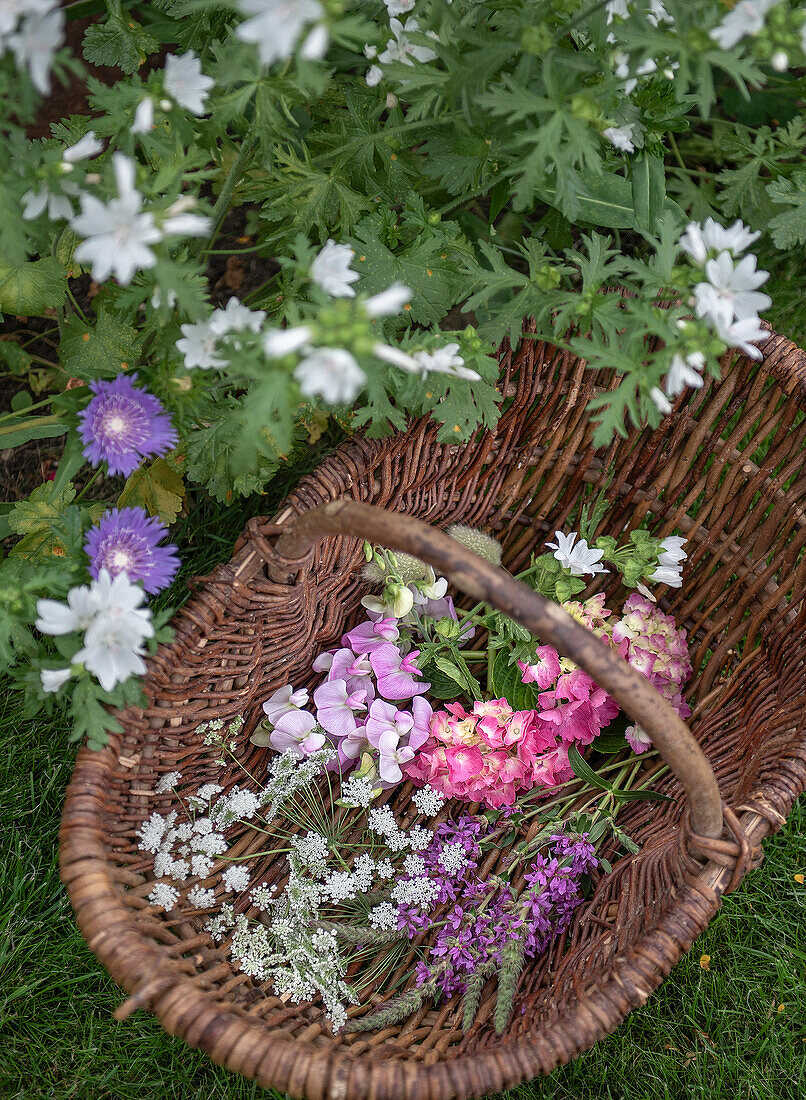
(236, 878)
(620, 137)
(164, 896)
(331, 270)
(277, 25)
(186, 83)
(731, 291)
(330, 373)
(117, 234)
(577, 557)
(746, 18)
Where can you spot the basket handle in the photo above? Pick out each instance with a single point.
(547, 620)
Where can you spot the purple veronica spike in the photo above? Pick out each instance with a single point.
(126, 541)
(123, 424)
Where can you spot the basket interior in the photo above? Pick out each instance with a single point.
(726, 470)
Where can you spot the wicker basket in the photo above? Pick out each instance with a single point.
(727, 469)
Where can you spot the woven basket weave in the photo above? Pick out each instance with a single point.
(727, 469)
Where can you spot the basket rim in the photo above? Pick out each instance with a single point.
(155, 981)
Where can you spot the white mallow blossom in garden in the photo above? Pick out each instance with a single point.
(185, 82)
(684, 372)
(622, 66)
(731, 292)
(330, 373)
(399, 7)
(669, 569)
(331, 270)
(400, 48)
(117, 234)
(60, 207)
(445, 360)
(198, 343)
(276, 26)
(745, 18)
(115, 627)
(620, 137)
(54, 678)
(699, 241)
(33, 30)
(579, 558)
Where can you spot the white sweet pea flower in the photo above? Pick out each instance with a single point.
(54, 678)
(89, 146)
(731, 290)
(579, 558)
(186, 83)
(143, 116)
(285, 341)
(388, 302)
(330, 373)
(620, 137)
(331, 270)
(746, 18)
(276, 26)
(685, 372)
(117, 234)
(445, 360)
(34, 43)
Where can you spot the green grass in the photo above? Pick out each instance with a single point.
(715, 1033)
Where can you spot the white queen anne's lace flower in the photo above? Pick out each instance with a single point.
(236, 877)
(164, 896)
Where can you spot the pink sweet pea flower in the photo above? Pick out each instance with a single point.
(284, 701)
(386, 718)
(369, 635)
(421, 729)
(335, 707)
(297, 730)
(356, 671)
(544, 671)
(396, 674)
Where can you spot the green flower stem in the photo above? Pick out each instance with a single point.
(234, 175)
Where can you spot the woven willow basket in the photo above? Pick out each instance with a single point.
(727, 469)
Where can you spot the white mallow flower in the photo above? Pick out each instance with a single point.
(685, 372)
(331, 270)
(113, 647)
(388, 302)
(744, 334)
(330, 373)
(660, 400)
(35, 41)
(621, 65)
(701, 239)
(198, 346)
(58, 207)
(83, 603)
(401, 48)
(285, 341)
(117, 234)
(397, 357)
(236, 317)
(143, 116)
(669, 569)
(577, 557)
(445, 360)
(731, 291)
(187, 225)
(399, 7)
(746, 18)
(54, 678)
(276, 26)
(89, 146)
(620, 137)
(186, 83)
(374, 76)
(616, 8)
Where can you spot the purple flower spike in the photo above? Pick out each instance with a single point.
(127, 541)
(122, 425)
(395, 673)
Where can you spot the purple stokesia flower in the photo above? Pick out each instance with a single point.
(126, 541)
(123, 424)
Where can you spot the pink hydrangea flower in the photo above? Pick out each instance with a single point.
(544, 671)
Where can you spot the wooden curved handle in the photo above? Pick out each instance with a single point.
(546, 620)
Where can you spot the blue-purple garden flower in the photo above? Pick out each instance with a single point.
(127, 541)
(124, 424)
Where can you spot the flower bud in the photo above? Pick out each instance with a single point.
(484, 545)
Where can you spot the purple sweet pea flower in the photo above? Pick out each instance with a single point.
(335, 706)
(396, 673)
(123, 424)
(369, 635)
(297, 730)
(386, 718)
(351, 746)
(127, 541)
(324, 661)
(284, 701)
(356, 671)
(421, 730)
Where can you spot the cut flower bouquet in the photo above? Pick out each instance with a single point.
(444, 791)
